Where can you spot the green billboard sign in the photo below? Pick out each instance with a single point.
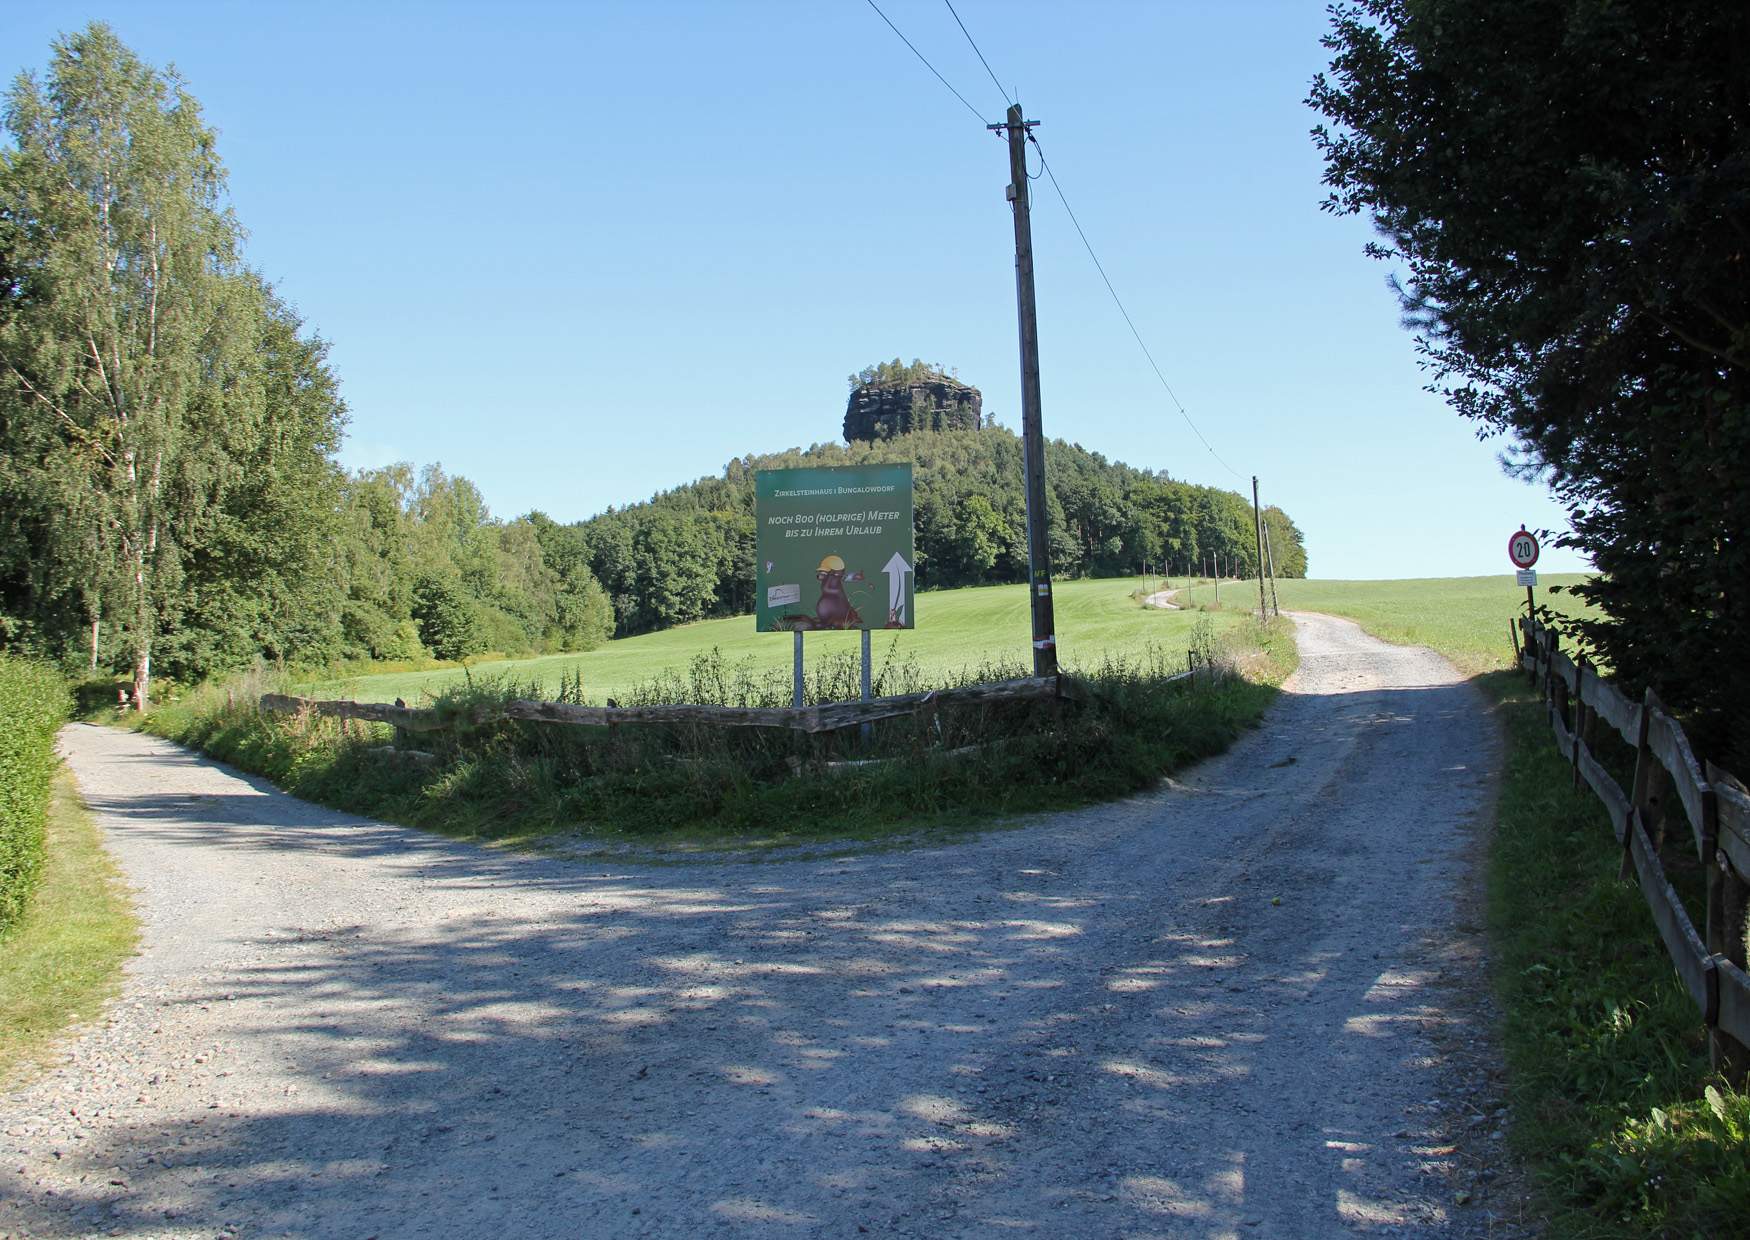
(833, 548)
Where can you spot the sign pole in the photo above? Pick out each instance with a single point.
(868, 729)
(1522, 550)
(796, 673)
(1032, 435)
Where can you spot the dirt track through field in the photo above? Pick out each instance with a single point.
(1098, 1024)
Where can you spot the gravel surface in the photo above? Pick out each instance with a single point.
(1242, 1005)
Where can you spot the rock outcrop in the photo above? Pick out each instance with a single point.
(882, 410)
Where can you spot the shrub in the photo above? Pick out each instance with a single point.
(33, 703)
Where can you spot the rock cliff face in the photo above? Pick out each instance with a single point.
(883, 410)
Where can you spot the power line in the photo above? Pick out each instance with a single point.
(1117, 301)
(1007, 98)
(1063, 198)
(932, 68)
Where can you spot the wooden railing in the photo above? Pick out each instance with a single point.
(1671, 787)
(828, 717)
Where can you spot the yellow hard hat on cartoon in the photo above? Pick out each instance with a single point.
(831, 564)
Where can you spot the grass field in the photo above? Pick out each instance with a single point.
(1464, 618)
(956, 629)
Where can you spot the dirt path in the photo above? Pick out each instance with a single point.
(1102, 1024)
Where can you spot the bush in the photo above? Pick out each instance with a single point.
(33, 703)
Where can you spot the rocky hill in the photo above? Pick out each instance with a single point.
(888, 408)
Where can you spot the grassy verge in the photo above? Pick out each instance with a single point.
(957, 629)
(963, 766)
(1615, 1106)
(62, 960)
(1616, 1112)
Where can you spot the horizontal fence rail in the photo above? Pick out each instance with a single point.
(827, 717)
(1668, 777)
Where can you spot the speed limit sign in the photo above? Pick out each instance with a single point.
(1522, 548)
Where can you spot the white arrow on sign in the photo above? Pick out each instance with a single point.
(896, 570)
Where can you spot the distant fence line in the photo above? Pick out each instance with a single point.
(1714, 803)
(827, 717)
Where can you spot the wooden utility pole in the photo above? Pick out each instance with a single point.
(1258, 529)
(1032, 435)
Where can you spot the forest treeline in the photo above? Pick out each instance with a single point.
(170, 502)
(687, 554)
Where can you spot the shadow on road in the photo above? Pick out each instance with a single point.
(1204, 1012)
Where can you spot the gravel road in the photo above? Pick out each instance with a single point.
(1241, 1005)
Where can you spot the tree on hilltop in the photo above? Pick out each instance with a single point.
(898, 372)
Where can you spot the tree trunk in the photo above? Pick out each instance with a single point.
(95, 623)
(142, 635)
(142, 678)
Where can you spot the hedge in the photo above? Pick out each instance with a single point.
(33, 704)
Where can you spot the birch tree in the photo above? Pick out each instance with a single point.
(125, 301)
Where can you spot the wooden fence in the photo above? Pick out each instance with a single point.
(1670, 788)
(828, 717)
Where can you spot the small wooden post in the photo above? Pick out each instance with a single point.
(1513, 636)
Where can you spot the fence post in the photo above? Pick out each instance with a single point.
(1579, 715)
(1554, 691)
(1637, 797)
(1728, 906)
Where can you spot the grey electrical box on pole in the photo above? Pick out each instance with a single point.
(1032, 436)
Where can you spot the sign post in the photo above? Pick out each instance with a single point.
(824, 539)
(1522, 549)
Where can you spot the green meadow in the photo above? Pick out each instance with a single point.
(1464, 618)
(957, 629)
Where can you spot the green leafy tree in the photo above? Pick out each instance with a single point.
(1566, 190)
(979, 538)
(449, 625)
(373, 562)
(172, 413)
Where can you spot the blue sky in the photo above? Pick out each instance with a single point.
(583, 252)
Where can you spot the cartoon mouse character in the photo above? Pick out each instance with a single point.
(834, 611)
